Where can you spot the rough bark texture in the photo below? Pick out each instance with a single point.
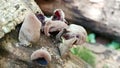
(100, 16)
(13, 12)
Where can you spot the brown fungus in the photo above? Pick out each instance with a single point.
(30, 30)
(41, 56)
(52, 26)
(56, 22)
(73, 31)
(65, 46)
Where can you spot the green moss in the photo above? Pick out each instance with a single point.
(84, 54)
(91, 38)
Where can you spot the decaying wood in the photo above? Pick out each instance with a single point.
(102, 17)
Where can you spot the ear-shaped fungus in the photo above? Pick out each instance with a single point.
(58, 15)
(41, 56)
(52, 26)
(79, 32)
(66, 45)
(73, 31)
(30, 30)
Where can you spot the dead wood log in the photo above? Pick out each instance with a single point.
(101, 17)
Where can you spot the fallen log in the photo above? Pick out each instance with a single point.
(101, 17)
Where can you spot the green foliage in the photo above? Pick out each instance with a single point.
(91, 38)
(118, 49)
(84, 54)
(114, 45)
(105, 66)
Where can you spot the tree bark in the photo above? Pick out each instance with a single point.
(13, 12)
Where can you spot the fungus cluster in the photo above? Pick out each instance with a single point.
(34, 23)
